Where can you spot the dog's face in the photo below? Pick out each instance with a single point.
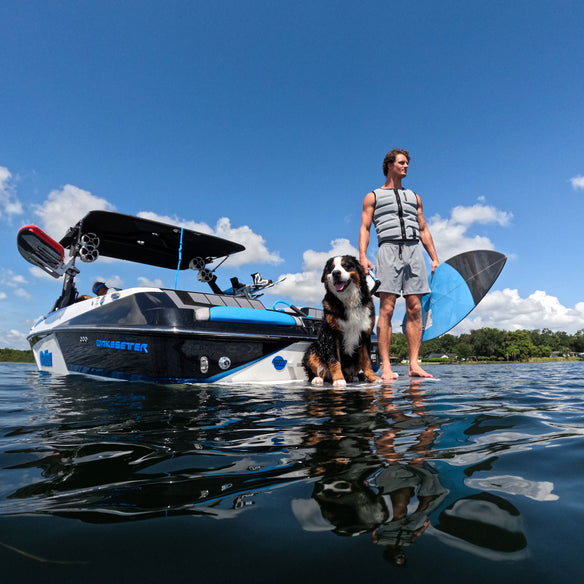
(343, 276)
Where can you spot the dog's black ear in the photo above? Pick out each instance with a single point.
(360, 269)
(357, 266)
(325, 271)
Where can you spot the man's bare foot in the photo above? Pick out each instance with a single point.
(389, 375)
(419, 372)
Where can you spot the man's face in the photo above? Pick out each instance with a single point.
(400, 166)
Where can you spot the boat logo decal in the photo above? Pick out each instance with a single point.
(123, 346)
(46, 358)
(279, 362)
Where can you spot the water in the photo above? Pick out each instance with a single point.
(473, 477)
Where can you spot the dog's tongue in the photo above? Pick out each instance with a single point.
(340, 286)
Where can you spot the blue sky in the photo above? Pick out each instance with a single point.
(267, 122)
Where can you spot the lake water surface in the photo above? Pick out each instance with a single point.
(475, 476)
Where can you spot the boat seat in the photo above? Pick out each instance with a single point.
(240, 314)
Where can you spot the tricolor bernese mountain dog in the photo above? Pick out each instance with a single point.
(342, 351)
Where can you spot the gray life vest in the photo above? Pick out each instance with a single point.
(396, 215)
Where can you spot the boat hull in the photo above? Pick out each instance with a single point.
(157, 336)
(173, 358)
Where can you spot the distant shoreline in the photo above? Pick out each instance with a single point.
(16, 356)
(498, 362)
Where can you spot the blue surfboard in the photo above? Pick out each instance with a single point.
(457, 286)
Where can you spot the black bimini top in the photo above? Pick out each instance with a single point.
(145, 241)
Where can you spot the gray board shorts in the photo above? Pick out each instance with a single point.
(401, 268)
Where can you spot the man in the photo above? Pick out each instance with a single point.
(400, 224)
(99, 289)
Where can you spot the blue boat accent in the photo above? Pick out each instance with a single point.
(250, 315)
(46, 358)
(279, 362)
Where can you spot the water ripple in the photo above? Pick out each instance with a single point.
(462, 458)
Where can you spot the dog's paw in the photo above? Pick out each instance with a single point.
(340, 383)
(317, 381)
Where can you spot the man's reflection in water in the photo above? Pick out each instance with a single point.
(409, 486)
(374, 475)
(411, 493)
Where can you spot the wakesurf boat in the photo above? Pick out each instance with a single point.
(162, 335)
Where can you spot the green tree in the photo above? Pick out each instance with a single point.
(487, 342)
(463, 350)
(517, 346)
(542, 351)
(399, 346)
(16, 356)
(577, 344)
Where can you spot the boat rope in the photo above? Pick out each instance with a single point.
(179, 258)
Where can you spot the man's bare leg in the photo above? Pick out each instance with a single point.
(386, 306)
(414, 334)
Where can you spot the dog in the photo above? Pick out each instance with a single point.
(343, 349)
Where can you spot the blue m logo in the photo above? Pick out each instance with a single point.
(46, 358)
(279, 362)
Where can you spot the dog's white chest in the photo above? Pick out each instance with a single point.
(357, 322)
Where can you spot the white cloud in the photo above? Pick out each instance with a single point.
(13, 339)
(450, 235)
(255, 245)
(18, 279)
(306, 285)
(38, 273)
(9, 204)
(112, 281)
(506, 310)
(64, 208)
(480, 214)
(3, 296)
(16, 283)
(577, 182)
(147, 283)
(10, 278)
(22, 293)
(315, 260)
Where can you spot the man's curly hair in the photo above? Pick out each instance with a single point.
(391, 156)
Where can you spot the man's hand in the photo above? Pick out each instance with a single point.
(366, 264)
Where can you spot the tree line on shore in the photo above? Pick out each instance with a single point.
(497, 345)
(16, 356)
